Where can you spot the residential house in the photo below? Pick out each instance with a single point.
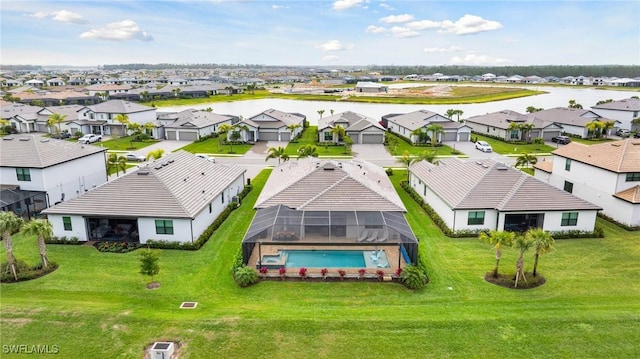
(55, 82)
(105, 91)
(323, 203)
(173, 199)
(607, 174)
(489, 195)
(36, 172)
(498, 124)
(572, 120)
(405, 125)
(20, 116)
(360, 128)
(71, 113)
(191, 125)
(271, 125)
(371, 87)
(101, 118)
(623, 111)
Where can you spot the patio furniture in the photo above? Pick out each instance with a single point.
(372, 237)
(384, 238)
(363, 236)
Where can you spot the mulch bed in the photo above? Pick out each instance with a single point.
(509, 280)
(153, 285)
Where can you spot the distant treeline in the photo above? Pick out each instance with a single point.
(629, 71)
(179, 66)
(20, 68)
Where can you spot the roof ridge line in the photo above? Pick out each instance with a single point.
(471, 190)
(622, 155)
(161, 181)
(514, 189)
(345, 175)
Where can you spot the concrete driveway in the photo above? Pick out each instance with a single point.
(469, 149)
(376, 154)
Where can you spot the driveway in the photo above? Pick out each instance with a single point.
(469, 149)
(375, 154)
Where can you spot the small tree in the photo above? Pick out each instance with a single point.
(277, 152)
(292, 128)
(307, 151)
(498, 239)
(523, 244)
(117, 162)
(525, 160)
(155, 154)
(149, 263)
(338, 133)
(123, 119)
(10, 223)
(542, 243)
(435, 130)
(55, 120)
(321, 112)
(348, 142)
(574, 104)
(42, 229)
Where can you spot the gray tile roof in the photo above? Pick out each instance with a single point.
(120, 106)
(492, 185)
(502, 119)
(198, 119)
(418, 119)
(567, 116)
(284, 117)
(323, 185)
(354, 121)
(180, 189)
(71, 111)
(34, 151)
(629, 104)
(8, 109)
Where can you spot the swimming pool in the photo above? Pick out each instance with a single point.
(334, 259)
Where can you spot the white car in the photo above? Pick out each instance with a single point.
(90, 138)
(483, 146)
(132, 157)
(206, 157)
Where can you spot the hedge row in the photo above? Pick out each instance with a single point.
(62, 240)
(622, 225)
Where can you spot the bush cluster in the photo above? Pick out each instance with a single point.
(622, 225)
(596, 233)
(245, 276)
(117, 247)
(413, 277)
(204, 138)
(62, 240)
(389, 171)
(24, 271)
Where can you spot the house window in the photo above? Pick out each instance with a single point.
(569, 219)
(164, 226)
(328, 136)
(210, 207)
(66, 222)
(424, 190)
(567, 164)
(475, 217)
(568, 186)
(23, 174)
(514, 134)
(223, 197)
(634, 176)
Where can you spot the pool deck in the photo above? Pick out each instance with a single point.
(391, 249)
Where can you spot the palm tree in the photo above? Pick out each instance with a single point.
(55, 120)
(532, 109)
(407, 159)
(450, 112)
(594, 128)
(338, 133)
(515, 126)
(347, 143)
(117, 162)
(498, 239)
(435, 130)
(459, 113)
(222, 132)
(144, 96)
(420, 136)
(235, 135)
(574, 104)
(43, 230)
(292, 127)
(522, 243)
(176, 91)
(123, 119)
(542, 242)
(320, 112)
(10, 223)
(307, 151)
(155, 154)
(525, 159)
(277, 152)
(526, 130)
(606, 126)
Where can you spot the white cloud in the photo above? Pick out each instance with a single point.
(345, 4)
(387, 6)
(372, 29)
(395, 19)
(473, 59)
(399, 31)
(442, 49)
(469, 24)
(278, 7)
(62, 16)
(118, 31)
(334, 45)
(423, 25)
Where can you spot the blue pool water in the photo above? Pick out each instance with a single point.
(332, 259)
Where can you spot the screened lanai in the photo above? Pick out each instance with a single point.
(284, 225)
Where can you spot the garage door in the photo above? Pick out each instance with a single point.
(464, 136)
(285, 136)
(372, 138)
(171, 135)
(449, 136)
(188, 136)
(548, 135)
(268, 136)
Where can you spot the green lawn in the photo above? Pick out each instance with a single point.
(112, 170)
(310, 137)
(212, 146)
(403, 147)
(505, 148)
(124, 144)
(95, 304)
(591, 141)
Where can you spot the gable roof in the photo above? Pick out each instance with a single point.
(283, 117)
(120, 106)
(323, 185)
(418, 119)
(567, 116)
(619, 156)
(629, 104)
(355, 121)
(71, 111)
(9, 109)
(33, 151)
(493, 185)
(631, 195)
(179, 185)
(197, 119)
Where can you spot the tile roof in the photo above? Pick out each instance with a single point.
(355, 121)
(322, 185)
(493, 185)
(181, 188)
(8, 109)
(630, 194)
(71, 111)
(284, 117)
(197, 119)
(502, 119)
(120, 106)
(567, 116)
(418, 119)
(619, 156)
(34, 151)
(544, 165)
(629, 104)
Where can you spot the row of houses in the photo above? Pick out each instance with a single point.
(533, 79)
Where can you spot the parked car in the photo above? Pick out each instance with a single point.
(90, 138)
(206, 157)
(563, 140)
(483, 146)
(636, 135)
(62, 135)
(623, 132)
(132, 157)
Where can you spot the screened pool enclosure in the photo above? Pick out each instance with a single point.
(285, 226)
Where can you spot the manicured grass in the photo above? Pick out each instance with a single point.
(591, 141)
(403, 146)
(112, 170)
(310, 137)
(505, 148)
(212, 146)
(125, 144)
(95, 304)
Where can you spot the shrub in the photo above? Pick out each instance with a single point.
(342, 273)
(597, 233)
(380, 274)
(283, 272)
(245, 276)
(237, 260)
(24, 272)
(117, 247)
(413, 277)
(62, 240)
(361, 273)
(303, 273)
(324, 272)
(389, 171)
(264, 271)
(622, 225)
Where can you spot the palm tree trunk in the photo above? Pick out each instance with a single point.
(11, 260)
(535, 264)
(43, 252)
(498, 256)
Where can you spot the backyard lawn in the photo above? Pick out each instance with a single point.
(401, 147)
(212, 146)
(124, 144)
(505, 148)
(96, 305)
(310, 137)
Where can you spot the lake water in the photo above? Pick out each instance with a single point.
(555, 97)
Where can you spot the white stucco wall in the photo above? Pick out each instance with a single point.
(553, 220)
(625, 117)
(181, 230)
(462, 218)
(438, 205)
(78, 227)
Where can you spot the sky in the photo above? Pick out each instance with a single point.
(320, 33)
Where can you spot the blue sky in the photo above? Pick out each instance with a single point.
(320, 33)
